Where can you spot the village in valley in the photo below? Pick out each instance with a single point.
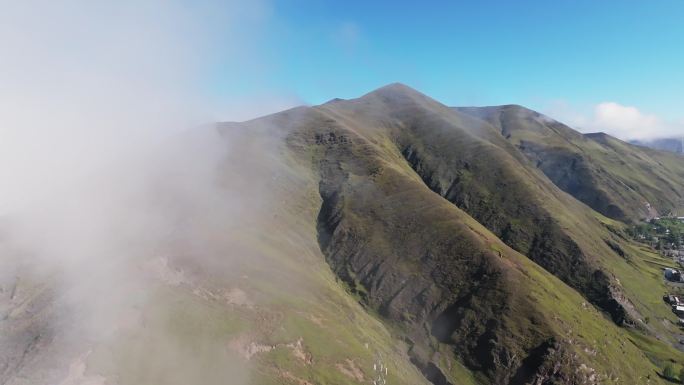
(665, 234)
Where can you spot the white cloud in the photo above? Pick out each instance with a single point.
(83, 82)
(624, 122)
(104, 170)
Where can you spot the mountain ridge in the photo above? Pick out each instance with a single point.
(398, 110)
(386, 231)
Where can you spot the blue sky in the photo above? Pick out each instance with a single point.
(564, 57)
(84, 81)
(599, 65)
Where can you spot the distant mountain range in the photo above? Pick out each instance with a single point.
(403, 241)
(665, 144)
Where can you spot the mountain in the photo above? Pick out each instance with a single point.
(619, 180)
(665, 144)
(392, 238)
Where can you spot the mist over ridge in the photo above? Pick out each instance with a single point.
(180, 206)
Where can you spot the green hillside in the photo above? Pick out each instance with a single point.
(387, 238)
(617, 179)
(380, 229)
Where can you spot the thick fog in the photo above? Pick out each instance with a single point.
(110, 166)
(85, 82)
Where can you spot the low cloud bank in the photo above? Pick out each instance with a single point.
(108, 165)
(624, 122)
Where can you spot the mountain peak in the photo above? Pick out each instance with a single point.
(395, 90)
(396, 86)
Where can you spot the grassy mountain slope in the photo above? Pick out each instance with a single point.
(386, 229)
(619, 180)
(447, 283)
(470, 164)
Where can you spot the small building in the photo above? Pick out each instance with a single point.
(673, 299)
(672, 274)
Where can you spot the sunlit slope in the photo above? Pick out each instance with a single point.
(472, 309)
(617, 179)
(386, 231)
(470, 164)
